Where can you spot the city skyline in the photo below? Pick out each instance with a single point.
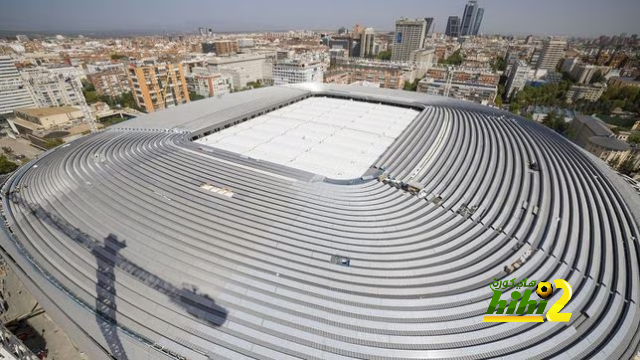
(570, 18)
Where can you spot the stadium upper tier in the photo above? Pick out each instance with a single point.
(148, 241)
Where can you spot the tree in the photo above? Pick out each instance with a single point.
(627, 166)
(88, 85)
(634, 138)
(6, 166)
(597, 77)
(499, 64)
(556, 123)
(50, 144)
(116, 56)
(194, 96)
(384, 55)
(614, 162)
(411, 86)
(455, 59)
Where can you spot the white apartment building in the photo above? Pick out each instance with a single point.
(207, 84)
(552, 52)
(295, 72)
(367, 42)
(50, 88)
(244, 43)
(482, 94)
(583, 73)
(409, 36)
(590, 93)
(243, 68)
(518, 78)
(13, 93)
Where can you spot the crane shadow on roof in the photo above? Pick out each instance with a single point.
(108, 259)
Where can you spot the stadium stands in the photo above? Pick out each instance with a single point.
(142, 243)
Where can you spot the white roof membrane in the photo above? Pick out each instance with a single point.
(336, 138)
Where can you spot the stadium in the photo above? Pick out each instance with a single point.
(324, 222)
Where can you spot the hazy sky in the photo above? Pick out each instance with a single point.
(559, 17)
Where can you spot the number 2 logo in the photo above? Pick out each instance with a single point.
(554, 313)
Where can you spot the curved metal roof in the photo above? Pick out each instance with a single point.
(143, 244)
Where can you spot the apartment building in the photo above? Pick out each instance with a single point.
(409, 36)
(158, 86)
(205, 83)
(49, 88)
(583, 73)
(482, 94)
(220, 47)
(518, 78)
(623, 82)
(243, 68)
(295, 72)
(111, 83)
(336, 77)
(552, 52)
(13, 93)
(591, 93)
(388, 75)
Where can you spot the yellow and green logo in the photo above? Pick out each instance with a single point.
(521, 307)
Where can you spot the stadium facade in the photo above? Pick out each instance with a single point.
(237, 227)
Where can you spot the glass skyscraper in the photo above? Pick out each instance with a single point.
(471, 19)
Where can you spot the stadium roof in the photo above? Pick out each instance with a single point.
(141, 243)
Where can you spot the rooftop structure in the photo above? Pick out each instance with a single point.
(144, 244)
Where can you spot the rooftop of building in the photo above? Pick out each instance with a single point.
(597, 126)
(626, 80)
(47, 111)
(610, 143)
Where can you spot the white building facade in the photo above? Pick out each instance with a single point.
(243, 68)
(207, 84)
(13, 92)
(518, 77)
(409, 36)
(294, 72)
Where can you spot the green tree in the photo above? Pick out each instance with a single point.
(597, 77)
(634, 138)
(499, 64)
(384, 55)
(411, 86)
(195, 97)
(50, 144)
(116, 56)
(555, 122)
(455, 59)
(627, 166)
(88, 85)
(6, 166)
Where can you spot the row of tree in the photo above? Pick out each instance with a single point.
(544, 95)
(626, 98)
